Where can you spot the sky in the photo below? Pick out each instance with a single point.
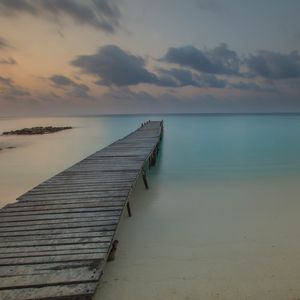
(64, 57)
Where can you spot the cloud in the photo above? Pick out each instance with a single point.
(252, 86)
(183, 77)
(274, 65)
(10, 90)
(8, 61)
(220, 60)
(101, 14)
(223, 61)
(179, 77)
(3, 43)
(5, 81)
(210, 81)
(77, 90)
(9, 7)
(108, 7)
(115, 66)
(61, 81)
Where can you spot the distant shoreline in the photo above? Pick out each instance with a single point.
(156, 114)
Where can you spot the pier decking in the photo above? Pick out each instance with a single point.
(55, 241)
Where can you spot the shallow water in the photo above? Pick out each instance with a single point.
(220, 219)
(36, 158)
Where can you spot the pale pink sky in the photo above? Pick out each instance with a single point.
(130, 56)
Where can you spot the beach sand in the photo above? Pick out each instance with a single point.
(208, 240)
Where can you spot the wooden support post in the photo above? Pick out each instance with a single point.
(128, 209)
(112, 253)
(151, 160)
(161, 130)
(145, 180)
(154, 158)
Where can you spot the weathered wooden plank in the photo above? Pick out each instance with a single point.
(101, 230)
(138, 154)
(48, 259)
(57, 216)
(75, 195)
(99, 160)
(55, 248)
(82, 291)
(81, 187)
(6, 213)
(93, 182)
(33, 237)
(46, 268)
(66, 241)
(28, 254)
(81, 275)
(101, 224)
(86, 184)
(72, 190)
(96, 174)
(59, 221)
(28, 206)
(121, 171)
(76, 201)
(108, 166)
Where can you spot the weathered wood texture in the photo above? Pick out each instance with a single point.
(55, 241)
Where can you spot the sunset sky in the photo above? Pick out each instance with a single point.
(138, 56)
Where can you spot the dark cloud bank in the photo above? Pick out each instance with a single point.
(100, 14)
(223, 61)
(114, 66)
(275, 65)
(219, 60)
(190, 66)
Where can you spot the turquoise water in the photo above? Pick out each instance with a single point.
(230, 147)
(221, 217)
(194, 147)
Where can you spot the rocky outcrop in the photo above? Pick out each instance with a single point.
(36, 130)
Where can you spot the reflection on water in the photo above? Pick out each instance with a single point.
(220, 220)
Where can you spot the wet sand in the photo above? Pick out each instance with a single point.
(209, 240)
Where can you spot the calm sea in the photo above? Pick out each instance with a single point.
(221, 218)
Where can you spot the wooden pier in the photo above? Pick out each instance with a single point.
(55, 241)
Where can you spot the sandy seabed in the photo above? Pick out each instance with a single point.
(208, 240)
